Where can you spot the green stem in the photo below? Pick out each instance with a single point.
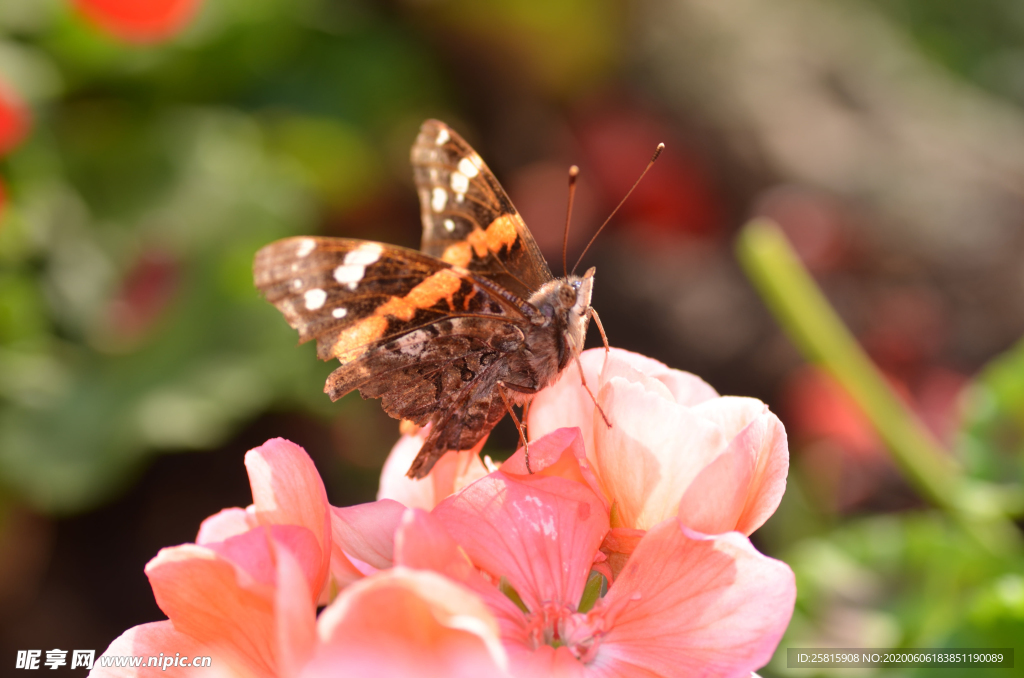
(806, 316)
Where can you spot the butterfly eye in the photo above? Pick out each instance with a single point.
(547, 310)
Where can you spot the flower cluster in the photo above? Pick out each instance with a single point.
(624, 553)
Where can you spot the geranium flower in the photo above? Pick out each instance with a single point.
(14, 119)
(245, 593)
(675, 447)
(684, 604)
(140, 20)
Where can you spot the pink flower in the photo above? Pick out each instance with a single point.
(684, 604)
(245, 593)
(675, 448)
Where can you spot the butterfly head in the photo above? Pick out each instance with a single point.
(564, 305)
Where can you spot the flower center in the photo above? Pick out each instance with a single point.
(559, 625)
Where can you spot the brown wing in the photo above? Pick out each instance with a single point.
(428, 338)
(468, 220)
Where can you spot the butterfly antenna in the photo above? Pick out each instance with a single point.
(657, 152)
(574, 172)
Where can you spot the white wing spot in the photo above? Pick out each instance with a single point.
(349, 274)
(442, 137)
(305, 247)
(460, 183)
(467, 167)
(297, 284)
(339, 312)
(364, 255)
(449, 225)
(439, 199)
(315, 298)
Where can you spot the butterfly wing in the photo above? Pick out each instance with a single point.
(429, 339)
(468, 219)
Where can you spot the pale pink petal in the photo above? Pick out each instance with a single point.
(543, 662)
(405, 624)
(565, 403)
(651, 454)
(451, 473)
(690, 604)
(769, 481)
(363, 537)
(539, 532)
(560, 453)
(423, 543)
(251, 551)
(743, 486)
(714, 501)
(295, 613)
(150, 640)
(287, 490)
(227, 523)
(731, 413)
(217, 603)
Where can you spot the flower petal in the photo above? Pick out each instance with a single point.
(295, 616)
(226, 523)
(769, 481)
(566, 402)
(714, 501)
(252, 551)
(149, 640)
(744, 485)
(287, 490)
(544, 662)
(246, 599)
(690, 604)
(539, 532)
(423, 543)
(558, 454)
(363, 535)
(651, 454)
(452, 472)
(218, 604)
(407, 623)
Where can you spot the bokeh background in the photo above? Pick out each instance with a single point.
(150, 148)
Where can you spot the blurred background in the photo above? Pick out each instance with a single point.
(149, 148)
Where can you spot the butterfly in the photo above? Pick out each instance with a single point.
(452, 335)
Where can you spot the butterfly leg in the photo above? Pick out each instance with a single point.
(519, 427)
(590, 393)
(604, 337)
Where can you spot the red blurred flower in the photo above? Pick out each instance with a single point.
(140, 20)
(14, 119)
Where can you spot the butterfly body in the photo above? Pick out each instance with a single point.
(440, 335)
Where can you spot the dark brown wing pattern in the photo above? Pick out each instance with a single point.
(468, 220)
(428, 338)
